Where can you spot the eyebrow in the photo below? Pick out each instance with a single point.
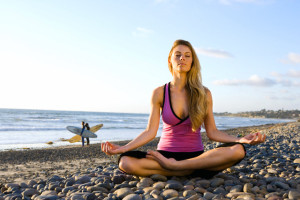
(183, 52)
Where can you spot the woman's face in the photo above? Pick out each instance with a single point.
(181, 59)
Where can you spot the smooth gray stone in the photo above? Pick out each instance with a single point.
(208, 195)
(204, 183)
(123, 192)
(188, 193)
(282, 185)
(82, 179)
(47, 197)
(216, 182)
(158, 177)
(294, 194)
(159, 185)
(30, 192)
(118, 179)
(132, 197)
(219, 190)
(175, 186)
(169, 193)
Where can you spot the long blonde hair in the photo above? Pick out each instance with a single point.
(196, 91)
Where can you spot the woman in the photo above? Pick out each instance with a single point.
(185, 104)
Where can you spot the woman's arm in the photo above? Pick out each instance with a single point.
(214, 134)
(148, 134)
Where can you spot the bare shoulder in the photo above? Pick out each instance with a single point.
(208, 94)
(158, 95)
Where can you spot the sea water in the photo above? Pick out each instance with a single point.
(21, 129)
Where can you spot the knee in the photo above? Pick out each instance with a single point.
(126, 165)
(238, 151)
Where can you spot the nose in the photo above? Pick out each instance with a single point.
(182, 57)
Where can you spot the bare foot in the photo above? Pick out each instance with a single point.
(167, 163)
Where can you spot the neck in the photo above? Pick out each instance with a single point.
(179, 81)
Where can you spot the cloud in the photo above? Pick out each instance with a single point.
(257, 81)
(292, 58)
(291, 73)
(254, 80)
(294, 73)
(142, 32)
(213, 53)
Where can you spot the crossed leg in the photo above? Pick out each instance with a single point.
(214, 160)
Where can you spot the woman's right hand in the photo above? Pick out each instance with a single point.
(111, 149)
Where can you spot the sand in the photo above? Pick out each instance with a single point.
(21, 166)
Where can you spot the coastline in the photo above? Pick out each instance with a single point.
(65, 161)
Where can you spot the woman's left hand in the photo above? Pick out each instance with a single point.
(253, 138)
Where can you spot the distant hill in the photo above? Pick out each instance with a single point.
(280, 114)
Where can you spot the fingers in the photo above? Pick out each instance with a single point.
(258, 138)
(105, 147)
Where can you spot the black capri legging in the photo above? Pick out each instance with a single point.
(207, 174)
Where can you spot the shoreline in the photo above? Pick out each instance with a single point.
(61, 153)
(65, 161)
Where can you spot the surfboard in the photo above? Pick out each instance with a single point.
(77, 131)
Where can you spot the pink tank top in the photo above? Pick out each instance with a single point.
(177, 134)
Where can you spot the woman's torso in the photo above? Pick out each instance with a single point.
(177, 134)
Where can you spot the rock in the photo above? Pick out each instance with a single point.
(132, 197)
(216, 182)
(123, 192)
(234, 195)
(247, 188)
(255, 189)
(30, 192)
(118, 179)
(82, 179)
(246, 197)
(282, 185)
(297, 160)
(237, 188)
(172, 184)
(274, 198)
(188, 193)
(147, 190)
(194, 197)
(208, 195)
(67, 189)
(200, 190)
(47, 197)
(159, 185)
(12, 185)
(219, 190)
(169, 193)
(294, 194)
(155, 193)
(48, 192)
(97, 188)
(158, 177)
(203, 183)
(271, 194)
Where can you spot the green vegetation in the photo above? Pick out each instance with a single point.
(280, 114)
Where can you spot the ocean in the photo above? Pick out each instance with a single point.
(21, 129)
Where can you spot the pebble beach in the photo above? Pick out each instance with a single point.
(269, 171)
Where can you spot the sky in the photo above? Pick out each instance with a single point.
(109, 56)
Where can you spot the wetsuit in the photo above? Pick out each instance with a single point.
(82, 138)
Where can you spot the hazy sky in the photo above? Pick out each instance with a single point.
(109, 55)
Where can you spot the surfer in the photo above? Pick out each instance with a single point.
(87, 138)
(185, 105)
(82, 130)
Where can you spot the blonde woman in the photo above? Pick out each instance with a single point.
(185, 105)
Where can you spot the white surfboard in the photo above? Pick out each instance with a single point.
(77, 131)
